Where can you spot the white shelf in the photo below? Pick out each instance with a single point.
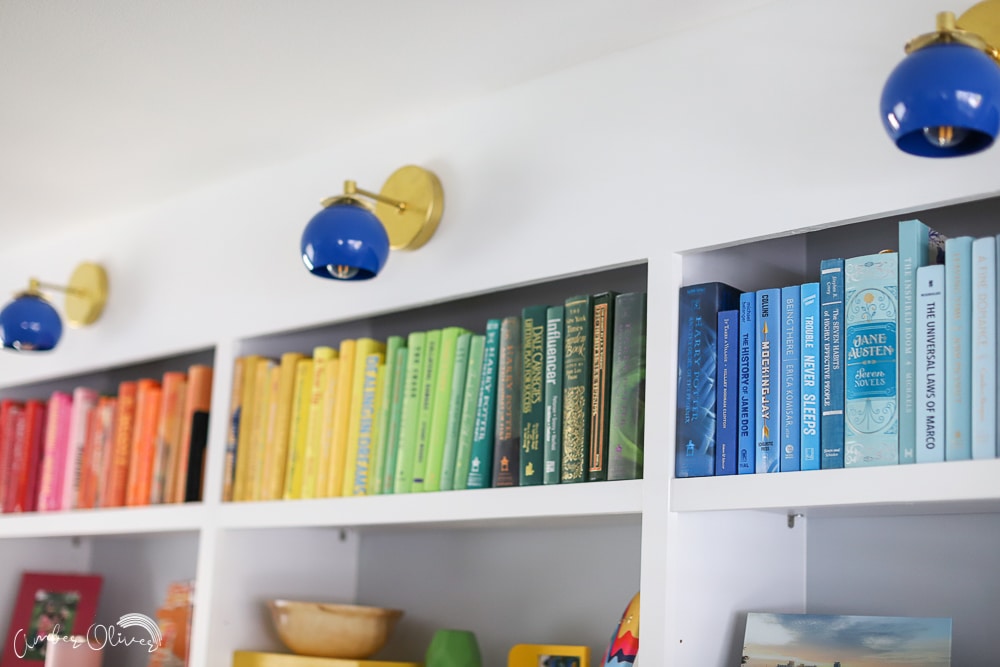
(110, 521)
(930, 488)
(554, 504)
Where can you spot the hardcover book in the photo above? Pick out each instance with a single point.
(190, 473)
(532, 395)
(440, 413)
(810, 377)
(507, 446)
(726, 388)
(931, 323)
(467, 427)
(768, 385)
(409, 416)
(337, 430)
(391, 450)
(984, 348)
(386, 388)
(168, 437)
(116, 470)
(455, 403)
(628, 388)
(425, 413)
(601, 343)
(277, 454)
(871, 436)
(298, 430)
(358, 469)
(232, 427)
(699, 307)
(791, 390)
(481, 457)
(577, 364)
(958, 349)
(322, 396)
(747, 441)
(831, 338)
(84, 402)
(553, 393)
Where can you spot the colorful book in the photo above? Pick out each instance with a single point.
(726, 389)
(628, 388)
(455, 403)
(232, 428)
(266, 381)
(831, 339)
(26, 498)
(298, 430)
(809, 406)
(791, 378)
(601, 346)
(481, 457)
(140, 467)
(54, 452)
(577, 366)
(244, 430)
(425, 414)
(363, 431)
(190, 478)
(116, 466)
(931, 320)
(384, 400)
(552, 394)
(84, 402)
(532, 405)
(440, 412)
(11, 450)
(507, 445)
(919, 245)
(410, 415)
(768, 376)
(746, 426)
(399, 371)
(277, 453)
(958, 349)
(467, 427)
(337, 430)
(871, 412)
(168, 436)
(984, 348)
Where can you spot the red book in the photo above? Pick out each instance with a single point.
(35, 418)
(11, 451)
(50, 483)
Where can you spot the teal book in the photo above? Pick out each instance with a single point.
(467, 427)
(984, 348)
(576, 388)
(930, 318)
(552, 437)
(791, 379)
(425, 415)
(601, 343)
(440, 413)
(919, 245)
(455, 403)
(532, 395)
(395, 420)
(628, 388)
(415, 344)
(831, 362)
(871, 413)
(810, 376)
(379, 456)
(481, 461)
(958, 349)
(507, 442)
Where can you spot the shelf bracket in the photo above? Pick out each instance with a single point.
(792, 517)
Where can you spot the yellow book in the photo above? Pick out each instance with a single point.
(322, 369)
(277, 453)
(246, 426)
(326, 429)
(341, 419)
(258, 442)
(368, 356)
(298, 431)
(262, 659)
(270, 431)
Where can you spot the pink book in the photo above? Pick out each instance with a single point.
(84, 401)
(50, 483)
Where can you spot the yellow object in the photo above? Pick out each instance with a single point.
(530, 655)
(274, 481)
(260, 659)
(332, 630)
(322, 397)
(240, 484)
(369, 354)
(341, 418)
(299, 429)
(258, 434)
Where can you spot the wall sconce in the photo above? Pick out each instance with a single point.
(31, 323)
(943, 99)
(350, 239)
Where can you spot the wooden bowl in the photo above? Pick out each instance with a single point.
(332, 630)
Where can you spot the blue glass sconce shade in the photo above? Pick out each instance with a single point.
(345, 241)
(29, 322)
(943, 100)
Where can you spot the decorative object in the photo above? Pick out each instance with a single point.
(332, 630)
(453, 648)
(943, 99)
(548, 655)
(624, 645)
(74, 651)
(263, 659)
(31, 323)
(49, 603)
(349, 239)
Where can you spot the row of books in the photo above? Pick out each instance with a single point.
(866, 366)
(81, 449)
(553, 395)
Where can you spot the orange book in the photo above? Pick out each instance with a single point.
(168, 436)
(82, 500)
(189, 468)
(140, 466)
(102, 435)
(174, 620)
(116, 465)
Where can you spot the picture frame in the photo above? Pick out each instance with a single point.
(47, 602)
(548, 655)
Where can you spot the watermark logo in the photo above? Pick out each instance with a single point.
(144, 632)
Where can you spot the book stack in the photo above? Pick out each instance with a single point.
(79, 449)
(884, 359)
(551, 395)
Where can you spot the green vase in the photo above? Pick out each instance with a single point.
(453, 648)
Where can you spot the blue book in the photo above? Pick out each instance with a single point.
(791, 390)
(871, 413)
(958, 349)
(931, 325)
(919, 245)
(698, 312)
(831, 347)
(984, 348)
(768, 380)
(748, 393)
(810, 377)
(726, 389)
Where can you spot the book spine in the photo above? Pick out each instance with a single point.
(415, 345)
(466, 429)
(12, 454)
(577, 366)
(118, 463)
(140, 469)
(266, 381)
(298, 435)
(481, 462)
(958, 349)
(84, 401)
(552, 398)
(456, 401)
(532, 404)
(386, 385)
(425, 415)
(831, 337)
(930, 320)
(244, 429)
(507, 443)
(810, 377)
(748, 392)
(54, 452)
(984, 348)
(440, 412)
(395, 420)
(791, 377)
(726, 389)
(233, 429)
(871, 434)
(628, 388)
(274, 485)
(35, 420)
(369, 387)
(194, 435)
(768, 380)
(336, 430)
(168, 436)
(602, 367)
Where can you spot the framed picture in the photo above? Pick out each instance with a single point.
(548, 655)
(48, 603)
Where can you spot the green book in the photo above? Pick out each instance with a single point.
(552, 394)
(481, 461)
(457, 400)
(576, 388)
(441, 393)
(507, 446)
(428, 380)
(395, 420)
(415, 344)
(473, 378)
(392, 344)
(628, 387)
(532, 395)
(601, 342)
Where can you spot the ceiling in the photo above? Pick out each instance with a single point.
(108, 106)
